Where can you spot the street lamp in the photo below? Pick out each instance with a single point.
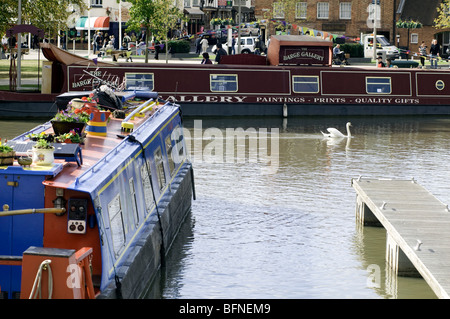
(89, 29)
(375, 3)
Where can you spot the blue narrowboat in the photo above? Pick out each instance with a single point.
(99, 220)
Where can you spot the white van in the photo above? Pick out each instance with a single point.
(392, 52)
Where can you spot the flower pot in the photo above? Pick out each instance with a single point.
(43, 156)
(61, 127)
(96, 126)
(7, 158)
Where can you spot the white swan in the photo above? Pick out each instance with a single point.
(332, 132)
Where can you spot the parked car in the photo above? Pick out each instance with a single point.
(214, 37)
(247, 45)
(248, 31)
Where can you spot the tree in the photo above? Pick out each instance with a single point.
(443, 19)
(49, 15)
(156, 17)
(282, 13)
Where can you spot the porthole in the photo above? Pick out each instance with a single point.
(440, 85)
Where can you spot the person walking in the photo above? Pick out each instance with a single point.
(434, 52)
(204, 43)
(198, 46)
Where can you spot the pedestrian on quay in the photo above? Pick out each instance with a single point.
(434, 52)
(220, 52)
(423, 53)
(198, 46)
(204, 43)
(206, 59)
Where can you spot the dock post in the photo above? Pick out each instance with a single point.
(398, 261)
(285, 110)
(364, 215)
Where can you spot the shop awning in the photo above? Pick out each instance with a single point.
(194, 13)
(95, 23)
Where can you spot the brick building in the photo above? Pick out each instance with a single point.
(351, 18)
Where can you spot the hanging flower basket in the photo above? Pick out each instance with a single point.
(216, 21)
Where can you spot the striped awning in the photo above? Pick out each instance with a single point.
(95, 23)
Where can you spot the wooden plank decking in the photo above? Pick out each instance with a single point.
(415, 220)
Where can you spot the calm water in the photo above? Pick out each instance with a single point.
(290, 232)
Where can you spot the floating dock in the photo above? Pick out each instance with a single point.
(417, 226)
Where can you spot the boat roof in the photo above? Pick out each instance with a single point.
(96, 148)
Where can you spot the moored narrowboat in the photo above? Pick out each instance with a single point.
(296, 78)
(98, 221)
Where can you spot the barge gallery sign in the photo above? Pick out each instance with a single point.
(289, 55)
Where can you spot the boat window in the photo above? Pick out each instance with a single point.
(177, 138)
(169, 150)
(139, 81)
(134, 201)
(305, 84)
(148, 192)
(116, 222)
(378, 85)
(223, 82)
(160, 168)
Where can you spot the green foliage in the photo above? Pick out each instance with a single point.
(356, 50)
(43, 144)
(49, 15)
(179, 46)
(5, 149)
(156, 16)
(443, 19)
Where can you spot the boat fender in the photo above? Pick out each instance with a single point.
(192, 181)
(118, 287)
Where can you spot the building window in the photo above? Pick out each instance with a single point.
(223, 82)
(305, 84)
(378, 85)
(278, 10)
(96, 3)
(300, 10)
(139, 81)
(414, 38)
(345, 10)
(322, 10)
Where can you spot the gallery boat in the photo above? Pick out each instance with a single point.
(99, 220)
(296, 78)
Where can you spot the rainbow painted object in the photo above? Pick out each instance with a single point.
(97, 124)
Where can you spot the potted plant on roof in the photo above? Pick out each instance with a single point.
(7, 154)
(75, 116)
(42, 153)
